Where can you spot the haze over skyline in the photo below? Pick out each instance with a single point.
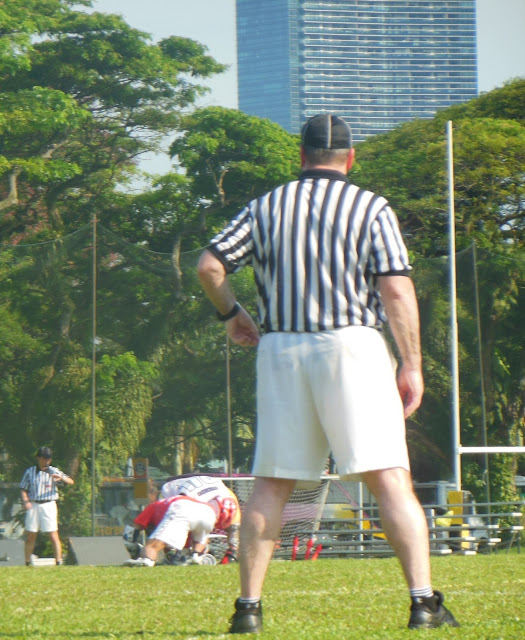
(501, 45)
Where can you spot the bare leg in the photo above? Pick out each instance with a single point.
(404, 522)
(260, 529)
(152, 548)
(57, 545)
(199, 547)
(29, 544)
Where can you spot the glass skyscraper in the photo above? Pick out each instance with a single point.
(377, 63)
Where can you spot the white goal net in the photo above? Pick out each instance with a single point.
(301, 516)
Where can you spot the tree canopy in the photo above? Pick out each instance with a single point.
(408, 165)
(82, 97)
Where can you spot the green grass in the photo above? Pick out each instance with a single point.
(340, 599)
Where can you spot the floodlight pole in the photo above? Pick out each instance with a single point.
(93, 373)
(456, 438)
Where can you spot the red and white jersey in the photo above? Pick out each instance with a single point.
(154, 513)
(210, 490)
(202, 488)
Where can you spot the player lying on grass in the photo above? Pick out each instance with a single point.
(176, 518)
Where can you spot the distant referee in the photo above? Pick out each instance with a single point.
(39, 497)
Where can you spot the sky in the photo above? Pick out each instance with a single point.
(501, 41)
(210, 22)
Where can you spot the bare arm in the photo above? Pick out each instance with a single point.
(25, 499)
(241, 328)
(62, 477)
(399, 299)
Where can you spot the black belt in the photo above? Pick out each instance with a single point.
(42, 501)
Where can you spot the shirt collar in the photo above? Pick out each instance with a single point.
(329, 174)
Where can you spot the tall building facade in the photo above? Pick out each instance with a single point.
(377, 63)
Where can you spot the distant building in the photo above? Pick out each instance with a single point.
(377, 63)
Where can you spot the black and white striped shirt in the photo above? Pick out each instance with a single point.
(40, 486)
(316, 246)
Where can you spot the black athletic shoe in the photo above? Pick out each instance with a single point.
(429, 613)
(247, 618)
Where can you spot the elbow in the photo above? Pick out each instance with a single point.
(209, 267)
(202, 265)
(396, 288)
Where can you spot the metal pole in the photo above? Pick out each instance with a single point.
(360, 515)
(229, 408)
(93, 376)
(456, 438)
(481, 371)
(508, 450)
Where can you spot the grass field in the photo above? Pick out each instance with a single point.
(339, 599)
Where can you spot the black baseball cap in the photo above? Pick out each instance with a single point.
(326, 131)
(44, 452)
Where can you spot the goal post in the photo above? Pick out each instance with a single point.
(511, 450)
(301, 515)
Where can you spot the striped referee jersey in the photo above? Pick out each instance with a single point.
(316, 246)
(40, 486)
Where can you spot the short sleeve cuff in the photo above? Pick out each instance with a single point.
(227, 265)
(401, 272)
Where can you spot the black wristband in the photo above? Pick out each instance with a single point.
(231, 314)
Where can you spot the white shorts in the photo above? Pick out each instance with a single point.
(42, 517)
(327, 391)
(183, 517)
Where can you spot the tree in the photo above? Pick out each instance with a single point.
(228, 158)
(232, 157)
(409, 166)
(81, 97)
(20, 22)
(110, 95)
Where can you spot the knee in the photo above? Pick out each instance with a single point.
(395, 482)
(155, 544)
(274, 491)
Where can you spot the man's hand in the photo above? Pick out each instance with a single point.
(243, 330)
(411, 387)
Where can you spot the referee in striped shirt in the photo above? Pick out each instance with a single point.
(39, 497)
(331, 268)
